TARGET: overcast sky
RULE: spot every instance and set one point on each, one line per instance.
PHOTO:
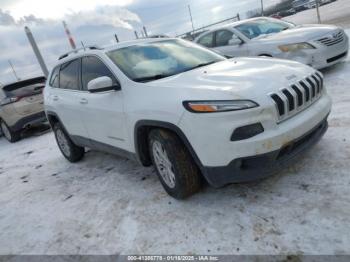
(95, 22)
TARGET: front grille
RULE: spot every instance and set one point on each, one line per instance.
(297, 97)
(334, 39)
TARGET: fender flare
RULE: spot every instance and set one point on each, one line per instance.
(166, 125)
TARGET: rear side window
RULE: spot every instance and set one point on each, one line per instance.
(25, 88)
(223, 37)
(54, 81)
(69, 75)
(207, 40)
(92, 68)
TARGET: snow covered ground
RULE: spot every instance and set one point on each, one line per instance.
(109, 205)
(337, 13)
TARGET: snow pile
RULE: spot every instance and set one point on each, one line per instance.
(337, 13)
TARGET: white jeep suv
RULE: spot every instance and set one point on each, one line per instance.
(190, 112)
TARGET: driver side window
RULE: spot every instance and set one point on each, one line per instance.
(223, 37)
(92, 68)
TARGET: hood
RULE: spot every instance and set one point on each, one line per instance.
(299, 34)
(238, 78)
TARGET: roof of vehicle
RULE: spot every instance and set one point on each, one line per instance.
(95, 50)
(233, 24)
(22, 83)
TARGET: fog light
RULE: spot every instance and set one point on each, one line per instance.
(245, 132)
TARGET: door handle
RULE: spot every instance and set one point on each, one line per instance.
(55, 98)
(83, 101)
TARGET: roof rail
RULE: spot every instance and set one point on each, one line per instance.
(93, 47)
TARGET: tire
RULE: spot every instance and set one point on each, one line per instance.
(69, 150)
(10, 136)
(177, 172)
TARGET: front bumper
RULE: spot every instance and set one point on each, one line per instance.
(220, 159)
(261, 166)
(29, 120)
(321, 57)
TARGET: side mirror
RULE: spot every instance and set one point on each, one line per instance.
(101, 84)
(235, 40)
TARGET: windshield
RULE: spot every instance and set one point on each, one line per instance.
(155, 60)
(261, 27)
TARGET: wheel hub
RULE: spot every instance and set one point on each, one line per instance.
(163, 164)
(5, 131)
(63, 142)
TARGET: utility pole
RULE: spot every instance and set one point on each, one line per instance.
(262, 7)
(36, 51)
(70, 37)
(189, 10)
(318, 11)
(14, 71)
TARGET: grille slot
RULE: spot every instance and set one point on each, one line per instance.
(336, 38)
(313, 87)
(290, 99)
(297, 97)
(307, 90)
(280, 104)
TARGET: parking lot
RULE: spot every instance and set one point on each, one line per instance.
(109, 205)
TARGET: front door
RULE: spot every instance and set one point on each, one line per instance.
(103, 115)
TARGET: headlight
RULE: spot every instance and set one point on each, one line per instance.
(218, 106)
(295, 47)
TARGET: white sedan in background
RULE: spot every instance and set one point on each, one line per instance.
(318, 46)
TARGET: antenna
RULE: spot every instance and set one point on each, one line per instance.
(145, 31)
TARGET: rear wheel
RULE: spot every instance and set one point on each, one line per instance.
(70, 151)
(175, 167)
(11, 136)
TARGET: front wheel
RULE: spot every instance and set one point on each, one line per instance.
(70, 151)
(10, 136)
(175, 167)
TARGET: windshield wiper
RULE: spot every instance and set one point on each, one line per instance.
(150, 78)
(160, 76)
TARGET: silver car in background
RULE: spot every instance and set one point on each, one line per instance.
(319, 46)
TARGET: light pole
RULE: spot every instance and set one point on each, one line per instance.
(189, 10)
(262, 7)
(69, 35)
(318, 11)
(36, 51)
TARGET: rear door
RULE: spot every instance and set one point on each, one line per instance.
(65, 97)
